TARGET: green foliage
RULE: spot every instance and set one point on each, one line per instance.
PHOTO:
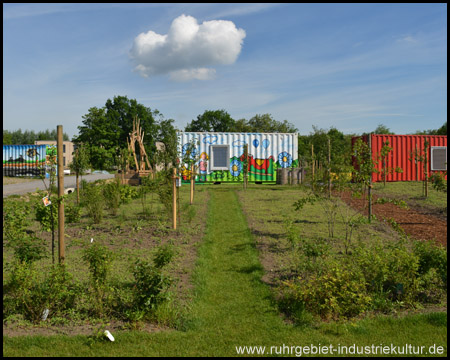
(401, 203)
(167, 134)
(112, 195)
(105, 130)
(432, 257)
(28, 294)
(151, 286)
(128, 193)
(92, 199)
(438, 181)
(382, 130)
(339, 291)
(210, 120)
(373, 277)
(100, 260)
(28, 137)
(27, 247)
(72, 213)
(47, 215)
(80, 162)
(163, 255)
(15, 218)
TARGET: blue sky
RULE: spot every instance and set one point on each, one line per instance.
(348, 66)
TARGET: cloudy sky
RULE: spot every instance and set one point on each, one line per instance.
(348, 66)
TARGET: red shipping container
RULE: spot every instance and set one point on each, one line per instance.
(402, 156)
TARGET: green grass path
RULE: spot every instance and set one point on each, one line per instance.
(232, 307)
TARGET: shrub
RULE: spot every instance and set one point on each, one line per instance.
(338, 292)
(150, 286)
(92, 199)
(44, 214)
(128, 193)
(432, 257)
(112, 195)
(438, 181)
(27, 247)
(27, 294)
(72, 213)
(100, 259)
(15, 218)
(163, 256)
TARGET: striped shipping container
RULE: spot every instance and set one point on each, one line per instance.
(219, 156)
(25, 160)
(402, 156)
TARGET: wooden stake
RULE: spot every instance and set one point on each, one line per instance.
(174, 213)
(192, 184)
(60, 193)
(329, 167)
(313, 163)
(370, 180)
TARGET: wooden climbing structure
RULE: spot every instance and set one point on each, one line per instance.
(143, 167)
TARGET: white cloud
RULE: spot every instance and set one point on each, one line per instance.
(187, 49)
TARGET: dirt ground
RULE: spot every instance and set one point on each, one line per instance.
(417, 222)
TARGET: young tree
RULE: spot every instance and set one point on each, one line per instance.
(79, 164)
(167, 134)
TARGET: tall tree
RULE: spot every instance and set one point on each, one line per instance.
(105, 130)
(212, 120)
(382, 130)
(266, 123)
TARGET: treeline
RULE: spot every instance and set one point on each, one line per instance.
(105, 131)
(28, 137)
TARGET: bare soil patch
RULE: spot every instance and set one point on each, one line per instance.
(417, 222)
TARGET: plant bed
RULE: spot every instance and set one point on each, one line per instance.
(139, 232)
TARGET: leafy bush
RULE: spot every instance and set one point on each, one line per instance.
(373, 277)
(27, 294)
(432, 257)
(438, 181)
(92, 199)
(44, 213)
(72, 213)
(112, 195)
(27, 247)
(338, 292)
(100, 259)
(151, 285)
(128, 193)
(163, 256)
(15, 217)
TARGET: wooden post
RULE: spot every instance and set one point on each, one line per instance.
(192, 184)
(426, 166)
(313, 164)
(174, 210)
(329, 167)
(60, 193)
(370, 180)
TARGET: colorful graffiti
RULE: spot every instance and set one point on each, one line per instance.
(26, 160)
(266, 153)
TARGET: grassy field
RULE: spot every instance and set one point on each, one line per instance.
(412, 193)
(231, 304)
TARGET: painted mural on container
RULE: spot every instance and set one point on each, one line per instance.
(26, 160)
(266, 153)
